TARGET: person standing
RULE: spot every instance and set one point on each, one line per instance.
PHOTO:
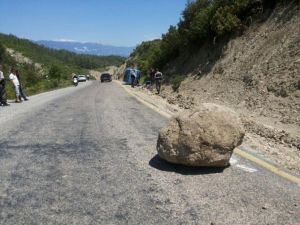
(133, 77)
(3, 99)
(152, 73)
(158, 80)
(22, 95)
(138, 76)
(14, 79)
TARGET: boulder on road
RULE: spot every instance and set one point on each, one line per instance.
(205, 136)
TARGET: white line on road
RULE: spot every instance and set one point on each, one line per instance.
(234, 162)
(246, 168)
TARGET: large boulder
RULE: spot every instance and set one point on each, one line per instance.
(205, 136)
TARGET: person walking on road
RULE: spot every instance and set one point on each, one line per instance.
(158, 79)
(22, 95)
(14, 79)
(3, 99)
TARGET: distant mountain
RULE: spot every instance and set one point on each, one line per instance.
(88, 48)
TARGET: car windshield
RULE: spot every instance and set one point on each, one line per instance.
(105, 75)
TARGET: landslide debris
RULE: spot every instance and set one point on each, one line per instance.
(205, 136)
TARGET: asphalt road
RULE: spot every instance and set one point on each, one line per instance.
(87, 156)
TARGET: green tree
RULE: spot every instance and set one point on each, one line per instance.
(225, 20)
(171, 44)
(55, 74)
(2, 53)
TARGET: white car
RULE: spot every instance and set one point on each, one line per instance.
(81, 78)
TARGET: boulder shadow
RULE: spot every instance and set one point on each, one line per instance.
(161, 164)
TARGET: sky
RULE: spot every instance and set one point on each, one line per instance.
(113, 22)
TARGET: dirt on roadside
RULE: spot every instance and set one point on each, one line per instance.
(258, 75)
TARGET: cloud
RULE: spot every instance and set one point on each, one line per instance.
(65, 40)
(151, 37)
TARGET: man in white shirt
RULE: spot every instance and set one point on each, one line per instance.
(16, 83)
(3, 100)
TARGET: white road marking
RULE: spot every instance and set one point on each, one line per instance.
(246, 168)
(233, 161)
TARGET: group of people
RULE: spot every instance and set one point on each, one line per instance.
(155, 77)
(14, 77)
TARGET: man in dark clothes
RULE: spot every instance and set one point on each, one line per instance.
(133, 76)
(3, 100)
(22, 95)
(152, 74)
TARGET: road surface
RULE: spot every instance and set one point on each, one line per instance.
(87, 155)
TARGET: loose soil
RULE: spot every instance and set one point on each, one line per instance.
(258, 75)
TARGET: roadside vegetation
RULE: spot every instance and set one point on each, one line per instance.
(47, 68)
(203, 23)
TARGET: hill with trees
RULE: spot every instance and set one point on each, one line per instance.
(43, 68)
(204, 24)
(244, 54)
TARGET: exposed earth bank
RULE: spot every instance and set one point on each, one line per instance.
(257, 75)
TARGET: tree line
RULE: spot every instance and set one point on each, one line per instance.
(46, 55)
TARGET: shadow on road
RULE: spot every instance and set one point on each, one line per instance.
(160, 164)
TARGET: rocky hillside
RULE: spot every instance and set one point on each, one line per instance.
(256, 73)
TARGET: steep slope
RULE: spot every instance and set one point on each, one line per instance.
(257, 74)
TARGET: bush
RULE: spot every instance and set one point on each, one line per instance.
(55, 75)
(2, 53)
(145, 55)
(170, 45)
(200, 26)
(225, 21)
(176, 81)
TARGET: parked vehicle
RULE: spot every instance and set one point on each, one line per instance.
(81, 78)
(105, 77)
(127, 75)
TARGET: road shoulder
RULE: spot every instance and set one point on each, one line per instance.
(167, 110)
